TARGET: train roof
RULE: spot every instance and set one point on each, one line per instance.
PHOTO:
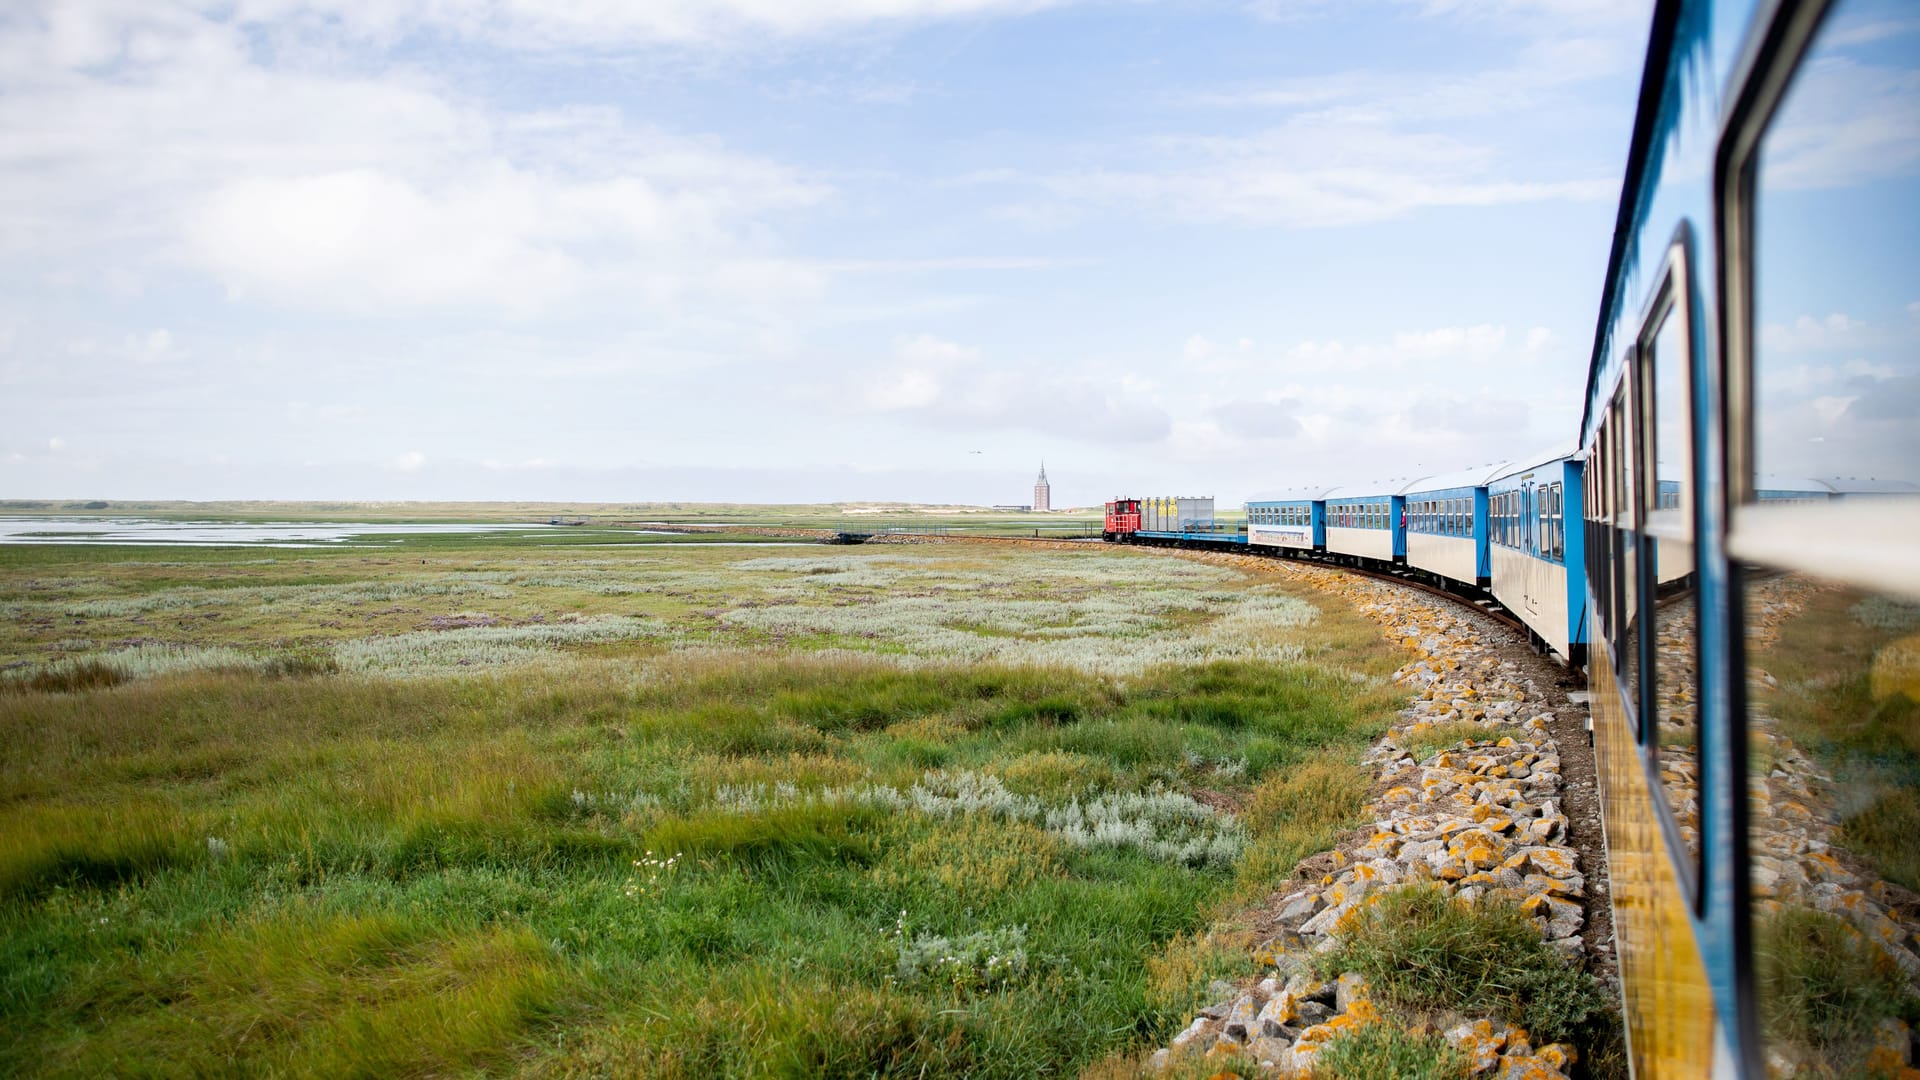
(1299, 494)
(1377, 490)
(1530, 462)
(1476, 476)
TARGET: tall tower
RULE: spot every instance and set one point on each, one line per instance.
(1042, 491)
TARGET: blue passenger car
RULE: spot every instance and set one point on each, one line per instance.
(1298, 523)
(1739, 642)
(1447, 525)
(1364, 524)
(1537, 562)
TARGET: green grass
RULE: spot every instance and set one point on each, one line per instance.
(292, 869)
(1448, 736)
(1824, 988)
(1424, 951)
(1380, 1052)
(1868, 735)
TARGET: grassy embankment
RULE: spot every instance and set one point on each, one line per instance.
(685, 812)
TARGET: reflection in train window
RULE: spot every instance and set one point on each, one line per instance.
(1673, 693)
(1626, 549)
(1832, 637)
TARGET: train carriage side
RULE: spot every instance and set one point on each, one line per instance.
(1361, 524)
(1535, 561)
(1760, 251)
(1446, 523)
(1294, 524)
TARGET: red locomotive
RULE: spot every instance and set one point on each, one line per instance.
(1123, 519)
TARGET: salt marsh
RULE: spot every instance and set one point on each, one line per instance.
(464, 805)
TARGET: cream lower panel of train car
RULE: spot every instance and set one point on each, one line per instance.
(1675, 559)
(1669, 1006)
(1449, 556)
(1288, 536)
(1367, 543)
(1535, 590)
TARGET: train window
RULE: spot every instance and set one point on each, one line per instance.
(1625, 544)
(1824, 396)
(1547, 521)
(1672, 692)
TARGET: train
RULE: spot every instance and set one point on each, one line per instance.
(1728, 547)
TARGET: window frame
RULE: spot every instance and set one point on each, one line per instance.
(1673, 298)
(1764, 72)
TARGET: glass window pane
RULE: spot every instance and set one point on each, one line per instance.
(1833, 671)
(1674, 694)
(1626, 543)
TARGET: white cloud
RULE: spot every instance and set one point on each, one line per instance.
(1829, 409)
(1344, 411)
(153, 347)
(543, 24)
(1483, 345)
(1844, 123)
(1355, 146)
(1259, 420)
(953, 387)
(411, 461)
(1197, 349)
(1807, 333)
(1450, 341)
(1315, 173)
(160, 132)
(1585, 11)
(1541, 68)
(929, 350)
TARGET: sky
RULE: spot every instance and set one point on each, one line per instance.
(797, 250)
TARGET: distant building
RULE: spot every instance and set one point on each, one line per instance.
(1042, 491)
